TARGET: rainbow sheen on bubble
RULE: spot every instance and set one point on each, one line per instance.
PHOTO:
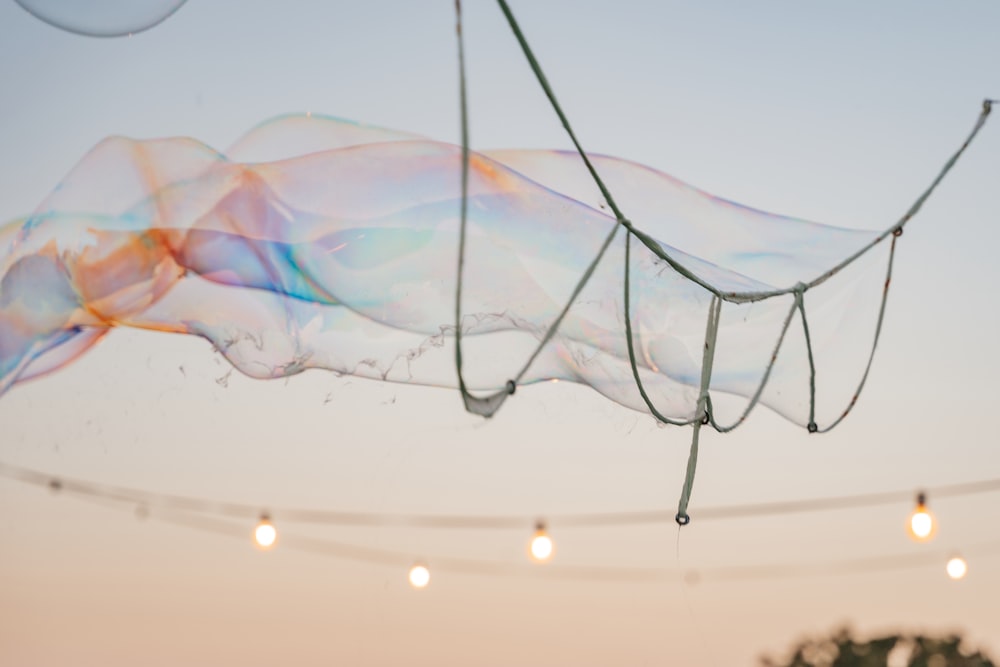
(320, 243)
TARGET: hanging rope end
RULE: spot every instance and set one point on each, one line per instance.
(682, 518)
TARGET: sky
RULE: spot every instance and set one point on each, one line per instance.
(841, 113)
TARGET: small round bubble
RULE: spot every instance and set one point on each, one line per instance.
(102, 18)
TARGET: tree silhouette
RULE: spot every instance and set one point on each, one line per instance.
(895, 650)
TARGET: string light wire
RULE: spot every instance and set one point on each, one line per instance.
(229, 520)
(148, 499)
(567, 572)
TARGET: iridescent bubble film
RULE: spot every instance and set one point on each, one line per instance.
(319, 243)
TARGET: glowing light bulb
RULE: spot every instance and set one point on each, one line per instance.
(264, 533)
(957, 568)
(922, 525)
(420, 576)
(541, 547)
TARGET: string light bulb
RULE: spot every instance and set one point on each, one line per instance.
(541, 547)
(264, 533)
(922, 525)
(420, 576)
(957, 568)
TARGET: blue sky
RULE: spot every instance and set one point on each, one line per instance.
(840, 113)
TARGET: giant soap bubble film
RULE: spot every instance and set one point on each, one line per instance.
(310, 241)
